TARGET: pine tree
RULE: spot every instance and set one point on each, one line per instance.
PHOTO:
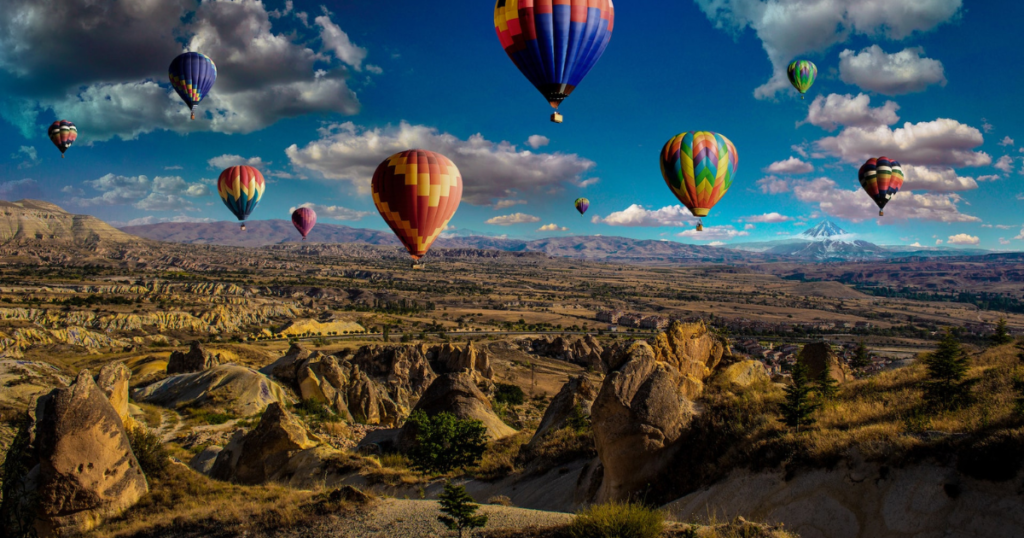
(387, 332)
(1002, 335)
(458, 509)
(861, 358)
(797, 410)
(946, 387)
(827, 386)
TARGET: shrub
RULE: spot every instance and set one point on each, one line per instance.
(1002, 335)
(315, 412)
(444, 442)
(208, 416)
(617, 520)
(149, 450)
(508, 394)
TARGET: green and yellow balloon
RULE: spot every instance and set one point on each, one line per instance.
(801, 75)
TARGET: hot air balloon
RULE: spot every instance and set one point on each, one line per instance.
(581, 205)
(63, 133)
(192, 75)
(881, 178)
(802, 74)
(241, 188)
(554, 43)
(304, 219)
(699, 166)
(417, 192)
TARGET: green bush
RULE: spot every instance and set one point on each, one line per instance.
(315, 412)
(444, 442)
(617, 520)
(508, 394)
(149, 450)
(208, 416)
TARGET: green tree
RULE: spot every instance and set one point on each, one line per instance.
(508, 394)
(797, 409)
(458, 510)
(1002, 335)
(947, 387)
(826, 386)
(387, 332)
(444, 442)
(861, 358)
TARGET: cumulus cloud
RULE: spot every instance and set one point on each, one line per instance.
(162, 193)
(891, 74)
(749, 227)
(936, 179)
(1004, 241)
(716, 244)
(853, 205)
(552, 228)
(537, 141)
(150, 219)
(836, 110)
(1006, 141)
(491, 170)
(1004, 164)
(990, 177)
(1021, 234)
(333, 212)
(791, 165)
(584, 183)
(636, 216)
(226, 161)
(963, 239)
(514, 218)
(791, 28)
(27, 155)
(773, 185)
(713, 233)
(939, 142)
(505, 204)
(19, 188)
(771, 218)
(336, 40)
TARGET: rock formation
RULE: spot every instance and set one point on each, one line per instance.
(196, 360)
(692, 350)
(585, 351)
(578, 391)
(260, 455)
(21, 382)
(818, 357)
(458, 394)
(284, 368)
(743, 374)
(113, 381)
(87, 471)
(235, 389)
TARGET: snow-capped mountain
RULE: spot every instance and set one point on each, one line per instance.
(825, 230)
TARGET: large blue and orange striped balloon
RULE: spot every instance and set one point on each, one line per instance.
(241, 187)
(699, 166)
(192, 75)
(554, 43)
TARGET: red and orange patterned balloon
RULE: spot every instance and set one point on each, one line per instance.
(417, 192)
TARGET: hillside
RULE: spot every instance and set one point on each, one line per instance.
(37, 223)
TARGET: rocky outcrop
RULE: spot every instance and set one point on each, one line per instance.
(235, 389)
(300, 327)
(87, 471)
(260, 455)
(639, 413)
(113, 381)
(403, 370)
(196, 360)
(743, 374)
(693, 351)
(22, 382)
(448, 359)
(578, 391)
(585, 351)
(819, 357)
(458, 394)
(284, 368)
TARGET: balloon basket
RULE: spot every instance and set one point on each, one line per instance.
(556, 117)
(416, 265)
(243, 227)
(700, 227)
(62, 155)
(881, 214)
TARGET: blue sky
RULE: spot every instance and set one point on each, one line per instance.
(315, 94)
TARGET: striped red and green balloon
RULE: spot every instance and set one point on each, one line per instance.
(63, 133)
(417, 192)
(699, 167)
(192, 75)
(554, 43)
(881, 178)
(581, 205)
(241, 188)
(801, 75)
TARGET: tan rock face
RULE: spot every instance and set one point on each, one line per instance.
(585, 351)
(196, 360)
(819, 356)
(693, 350)
(113, 381)
(639, 413)
(255, 457)
(578, 391)
(21, 382)
(744, 374)
(87, 469)
(458, 394)
(233, 388)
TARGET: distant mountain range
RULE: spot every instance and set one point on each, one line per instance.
(35, 223)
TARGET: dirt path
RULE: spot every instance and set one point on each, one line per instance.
(170, 425)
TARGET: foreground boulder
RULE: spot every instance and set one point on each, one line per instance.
(639, 413)
(256, 457)
(235, 389)
(285, 367)
(113, 380)
(87, 471)
(819, 357)
(743, 374)
(196, 360)
(577, 392)
(693, 350)
(458, 394)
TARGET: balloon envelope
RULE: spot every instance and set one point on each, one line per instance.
(582, 204)
(304, 219)
(241, 187)
(554, 43)
(63, 133)
(192, 75)
(802, 74)
(417, 192)
(881, 178)
(699, 166)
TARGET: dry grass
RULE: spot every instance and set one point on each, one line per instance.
(500, 458)
(392, 469)
(558, 448)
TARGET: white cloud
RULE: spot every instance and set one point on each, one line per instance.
(504, 204)
(552, 228)
(1006, 141)
(514, 218)
(18, 188)
(375, 69)
(915, 244)
(791, 165)
(72, 190)
(491, 170)
(939, 142)
(936, 179)
(800, 149)
(986, 126)
(175, 167)
(716, 244)
(891, 74)
(28, 154)
(158, 201)
(963, 239)
(162, 193)
(773, 185)
(856, 206)
(584, 183)
(1004, 164)
(791, 28)
(150, 219)
(537, 141)
(989, 177)
(227, 161)
(1004, 241)
(334, 39)
(636, 216)
(770, 218)
(749, 227)
(334, 212)
(836, 110)
(713, 233)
